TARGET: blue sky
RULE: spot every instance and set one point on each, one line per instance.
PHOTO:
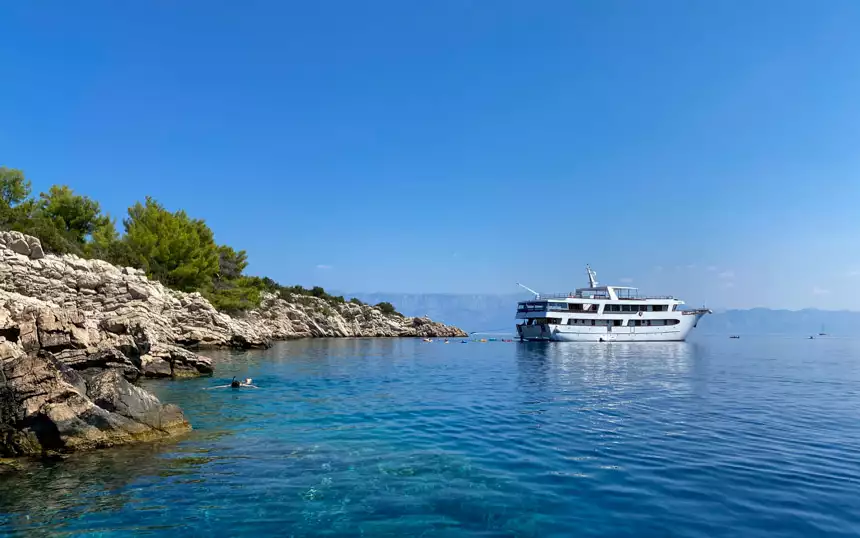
(705, 149)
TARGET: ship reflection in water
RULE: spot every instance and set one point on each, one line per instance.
(591, 376)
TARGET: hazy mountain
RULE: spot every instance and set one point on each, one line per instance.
(768, 321)
(487, 312)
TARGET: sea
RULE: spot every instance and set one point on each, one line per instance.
(749, 437)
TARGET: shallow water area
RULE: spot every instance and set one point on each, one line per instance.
(385, 437)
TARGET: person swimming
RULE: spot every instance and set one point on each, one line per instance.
(236, 384)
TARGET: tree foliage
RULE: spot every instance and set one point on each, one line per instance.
(388, 308)
(171, 247)
(231, 264)
(21, 213)
(77, 216)
(14, 187)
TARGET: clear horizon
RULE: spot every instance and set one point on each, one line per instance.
(692, 149)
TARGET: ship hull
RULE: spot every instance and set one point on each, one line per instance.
(573, 333)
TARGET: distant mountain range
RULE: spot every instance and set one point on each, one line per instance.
(495, 313)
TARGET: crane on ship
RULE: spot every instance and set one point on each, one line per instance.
(536, 294)
(592, 276)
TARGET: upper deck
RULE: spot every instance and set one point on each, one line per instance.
(605, 293)
(594, 293)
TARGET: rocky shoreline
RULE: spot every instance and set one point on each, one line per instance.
(76, 334)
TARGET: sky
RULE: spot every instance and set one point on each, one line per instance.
(709, 150)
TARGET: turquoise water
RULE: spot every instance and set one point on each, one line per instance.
(750, 437)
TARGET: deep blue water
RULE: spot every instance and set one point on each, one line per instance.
(751, 437)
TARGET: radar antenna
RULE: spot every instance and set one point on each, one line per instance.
(592, 276)
(536, 294)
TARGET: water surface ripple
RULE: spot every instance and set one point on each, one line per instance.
(375, 437)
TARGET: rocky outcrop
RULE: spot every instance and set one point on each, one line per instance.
(306, 316)
(121, 300)
(63, 388)
(126, 304)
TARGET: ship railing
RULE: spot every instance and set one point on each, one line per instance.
(647, 297)
(573, 295)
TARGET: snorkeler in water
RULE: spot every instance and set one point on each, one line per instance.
(236, 384)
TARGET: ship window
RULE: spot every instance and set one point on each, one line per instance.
(624, 308)
(592, 321)
(616, 322)
(536, 307)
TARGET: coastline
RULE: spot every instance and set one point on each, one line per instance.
(76, 334)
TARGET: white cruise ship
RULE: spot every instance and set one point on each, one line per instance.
(605, 314)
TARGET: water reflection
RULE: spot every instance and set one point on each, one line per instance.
(551, 372)
(598, 360)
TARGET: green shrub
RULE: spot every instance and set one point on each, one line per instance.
(388, 308)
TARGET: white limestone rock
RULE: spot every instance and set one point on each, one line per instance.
(120, 304)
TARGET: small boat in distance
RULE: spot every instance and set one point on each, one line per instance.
(605, 314)
(734, 336)
(822, 333)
